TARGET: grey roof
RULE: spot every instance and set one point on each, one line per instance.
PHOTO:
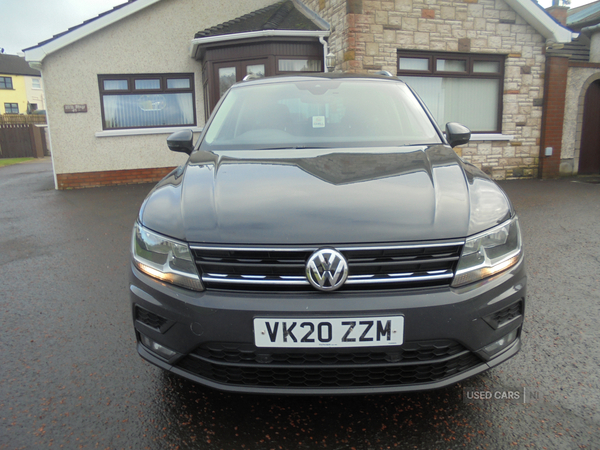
(584, 16)
(16, 65)
(283, 15)
(56, 36)
(576, 50)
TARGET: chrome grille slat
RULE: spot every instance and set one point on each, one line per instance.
(254, 281)
(398, 263)
(373, 267)
(313, 248)
(254, 264)
(400, 279)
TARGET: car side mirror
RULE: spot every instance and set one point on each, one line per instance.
(181, 141)
(457, 134)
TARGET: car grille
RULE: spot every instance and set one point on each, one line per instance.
(369, 267)
(506, 315)
(411, 364)
(148, 318)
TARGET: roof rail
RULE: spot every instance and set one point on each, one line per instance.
(252, 76)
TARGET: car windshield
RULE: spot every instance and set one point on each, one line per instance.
(319, 113)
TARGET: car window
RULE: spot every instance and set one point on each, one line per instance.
(319, 113)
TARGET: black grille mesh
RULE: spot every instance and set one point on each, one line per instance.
(359, 376)
(248, 354)
(148, 318)
(412, 364)
(505, 315)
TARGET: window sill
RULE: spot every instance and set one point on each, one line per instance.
(142, 131)
(491, 137)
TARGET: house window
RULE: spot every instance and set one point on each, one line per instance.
(11, 108)
(6, 83)
(35, 83)
(457, 87)
(299, 65)
(147, 101)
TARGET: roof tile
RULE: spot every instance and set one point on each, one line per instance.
(576, 50)
(282, 15)
(56, 36)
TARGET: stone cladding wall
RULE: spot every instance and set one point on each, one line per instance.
(367, 34)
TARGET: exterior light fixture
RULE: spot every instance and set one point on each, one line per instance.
(330, 60)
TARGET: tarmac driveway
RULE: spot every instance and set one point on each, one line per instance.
(70, 376)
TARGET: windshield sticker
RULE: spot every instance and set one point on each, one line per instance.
(318, 121)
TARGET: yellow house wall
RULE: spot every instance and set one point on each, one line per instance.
(18, 94)
(35, 95)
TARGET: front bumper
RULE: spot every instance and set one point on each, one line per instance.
(210, 338)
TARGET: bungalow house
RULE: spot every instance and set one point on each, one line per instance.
(118, 84)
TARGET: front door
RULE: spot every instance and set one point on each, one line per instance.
(589, 155)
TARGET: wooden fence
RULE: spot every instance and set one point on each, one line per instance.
(14, 119)
(22, 141)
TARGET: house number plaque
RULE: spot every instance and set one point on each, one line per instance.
(70, 109)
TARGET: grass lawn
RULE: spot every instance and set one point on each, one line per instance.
(11, 161)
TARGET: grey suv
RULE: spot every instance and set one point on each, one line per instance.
(323, 237)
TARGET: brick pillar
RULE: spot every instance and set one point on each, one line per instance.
(555, 87)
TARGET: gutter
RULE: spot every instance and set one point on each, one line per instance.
(196, 43)
(325, 53)
(588, 31)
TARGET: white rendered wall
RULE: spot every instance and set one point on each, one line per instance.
(154, 40)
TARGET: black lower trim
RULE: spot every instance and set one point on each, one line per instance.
(330, 376)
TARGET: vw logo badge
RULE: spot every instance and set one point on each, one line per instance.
(327, 269)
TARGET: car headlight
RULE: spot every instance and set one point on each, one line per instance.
(164, 259)
(489, 253)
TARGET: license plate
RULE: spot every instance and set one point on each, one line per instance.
(327, 332)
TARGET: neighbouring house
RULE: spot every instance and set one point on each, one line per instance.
(118, 84)
(20, 86)
(574, 95)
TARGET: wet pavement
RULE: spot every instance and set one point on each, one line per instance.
(70, 376)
